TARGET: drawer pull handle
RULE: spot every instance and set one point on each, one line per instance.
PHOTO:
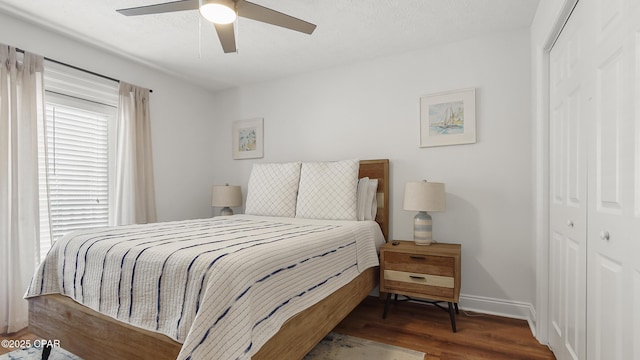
(416, 277)
(417, 257)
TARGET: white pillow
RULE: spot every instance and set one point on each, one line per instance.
(367, 200)
(328, 190)
(363, 197)
(371, 210)
(273, 189)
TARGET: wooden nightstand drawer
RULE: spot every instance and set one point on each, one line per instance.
(426, 285)
(416, 263)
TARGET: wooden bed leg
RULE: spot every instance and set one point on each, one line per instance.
(46, 351)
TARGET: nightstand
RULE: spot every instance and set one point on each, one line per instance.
(429, 272)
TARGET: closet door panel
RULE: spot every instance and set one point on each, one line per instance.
(610, 115)
(556, 286)
(610, 228)
(568, 201)
(605, 321)
(613, 230)
(574, 293)
(556, 156)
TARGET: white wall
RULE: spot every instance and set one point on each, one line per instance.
(180, 116)
(370, 110)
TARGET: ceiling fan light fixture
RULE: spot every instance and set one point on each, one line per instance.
(218, 11)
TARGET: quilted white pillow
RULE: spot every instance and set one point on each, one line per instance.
(273, 189)
(328, 190)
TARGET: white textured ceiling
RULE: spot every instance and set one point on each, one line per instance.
(349, 31)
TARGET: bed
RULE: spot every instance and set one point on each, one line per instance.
(93, 335)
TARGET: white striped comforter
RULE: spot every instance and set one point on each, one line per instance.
(220, 286)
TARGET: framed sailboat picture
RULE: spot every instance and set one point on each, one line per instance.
(248, 138)
(448, 118)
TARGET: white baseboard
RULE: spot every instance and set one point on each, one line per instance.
(500, 307)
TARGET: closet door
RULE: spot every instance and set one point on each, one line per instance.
(568, 190)
(614, 190)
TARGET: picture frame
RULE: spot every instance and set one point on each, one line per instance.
(448, 118)
(248, 139)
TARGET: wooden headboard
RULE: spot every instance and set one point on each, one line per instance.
(379, 169)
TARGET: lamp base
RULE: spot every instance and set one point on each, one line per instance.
(226, 211)
(422, 229)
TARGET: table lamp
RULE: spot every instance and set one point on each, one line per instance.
(226, 196)
(424, 196)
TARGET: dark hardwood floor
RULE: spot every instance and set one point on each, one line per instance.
(426, 328)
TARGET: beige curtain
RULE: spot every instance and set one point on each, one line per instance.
(21, 117)
(135, 195)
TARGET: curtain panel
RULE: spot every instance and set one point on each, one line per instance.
(135, 201)
(21, 119)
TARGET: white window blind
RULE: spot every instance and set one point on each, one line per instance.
(78, 172)
(80, 117)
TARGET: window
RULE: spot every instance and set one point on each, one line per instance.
(78, 173)
(80, 121)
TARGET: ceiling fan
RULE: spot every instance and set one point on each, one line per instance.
(222, 13)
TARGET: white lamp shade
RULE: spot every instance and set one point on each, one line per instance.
(226, 195)
(424, 196)
(218, 11)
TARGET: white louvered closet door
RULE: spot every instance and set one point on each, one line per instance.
(569, 101)
(613, 305)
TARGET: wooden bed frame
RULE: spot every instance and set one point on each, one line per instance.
(92, 335)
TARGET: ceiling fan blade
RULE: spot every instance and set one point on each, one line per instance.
(161, 8)
(227, 37)
(256, 12)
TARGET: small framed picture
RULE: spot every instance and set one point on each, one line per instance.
(448, 118)
(248, 139)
